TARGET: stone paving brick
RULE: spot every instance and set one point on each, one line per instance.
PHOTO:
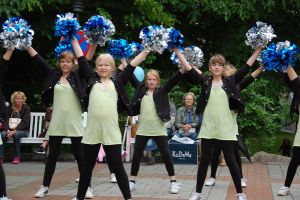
(23, 181)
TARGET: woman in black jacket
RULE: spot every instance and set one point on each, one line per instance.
(106, 97)
(4, 117)
(219, 95)
(151, 102)
(230, 70)
(293, 83)
(19, 123)
(63, 90)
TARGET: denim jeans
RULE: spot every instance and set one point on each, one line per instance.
(191, 135)
(16, 138)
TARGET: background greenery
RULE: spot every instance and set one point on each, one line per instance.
(214, 25)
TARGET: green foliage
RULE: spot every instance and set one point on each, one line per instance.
(265, 111)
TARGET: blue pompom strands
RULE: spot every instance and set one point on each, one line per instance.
(66, 25)
(259, 35)
(155, 38)
(98, 30)
(136, 48)
(63, 45)
(193, 55)
(279, 56)
(16, 33)
(122, 49)
(176, 38)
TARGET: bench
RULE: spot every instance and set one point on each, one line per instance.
(36, 127)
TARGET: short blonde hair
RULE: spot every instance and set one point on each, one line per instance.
(229, 69)
(15, 94)
(187, 94)
(109, 58)
(217, 58)
(154, 73)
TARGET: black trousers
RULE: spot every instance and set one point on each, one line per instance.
(2, 182)
(113, 157)
(294, 163)
(163, 146)
(54, 150)
(207, 146)
(215, 159)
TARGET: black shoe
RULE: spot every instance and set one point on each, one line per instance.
(40, 150)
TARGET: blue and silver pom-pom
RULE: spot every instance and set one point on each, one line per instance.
(155, 38)
(16, 33)
(63, 45)
(176, 38)
(119, 48)
(136, 48)
(279, 56)
(66, 25)
(259, 35)
(193, 55)
(98, 30)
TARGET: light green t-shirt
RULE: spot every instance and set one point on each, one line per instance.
(102, 121)
(297, 136)
(235, 124)
(217, 119)
(66, 117)
(149, 123)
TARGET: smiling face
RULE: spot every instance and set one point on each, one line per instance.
(105, 65)
(18, 98)
(67, 62)
(189, 100)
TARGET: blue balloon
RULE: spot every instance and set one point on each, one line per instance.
(139, 73)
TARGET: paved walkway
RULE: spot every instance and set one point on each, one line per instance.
(24, 179)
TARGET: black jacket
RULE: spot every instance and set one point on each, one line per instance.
(160, 97)
(294, 85)
(24, 113)
(75, 79)
(3, 109)
(119, 81)
(229, 85)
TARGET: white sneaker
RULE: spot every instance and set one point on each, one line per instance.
(132, 186)
(74, 198)
(283, 191)
(210, 182)
(195, 196)
(241, 196)
(113, 178)
(4, 198)
(175, 187)
(89, 193)
(42, 192)
(243, 182)
(77, 180)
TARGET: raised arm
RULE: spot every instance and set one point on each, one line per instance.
(84, 68)
(182, 59)
(4, 63)
(8, 54)
(39, 60)
(248, 80)
(91, 52)
(244, 70)
(291, 73)
(254, 56)
(139, 58)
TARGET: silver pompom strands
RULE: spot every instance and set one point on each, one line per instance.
(259, 35)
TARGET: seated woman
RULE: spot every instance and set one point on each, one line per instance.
(19, 123)
(186, 118)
